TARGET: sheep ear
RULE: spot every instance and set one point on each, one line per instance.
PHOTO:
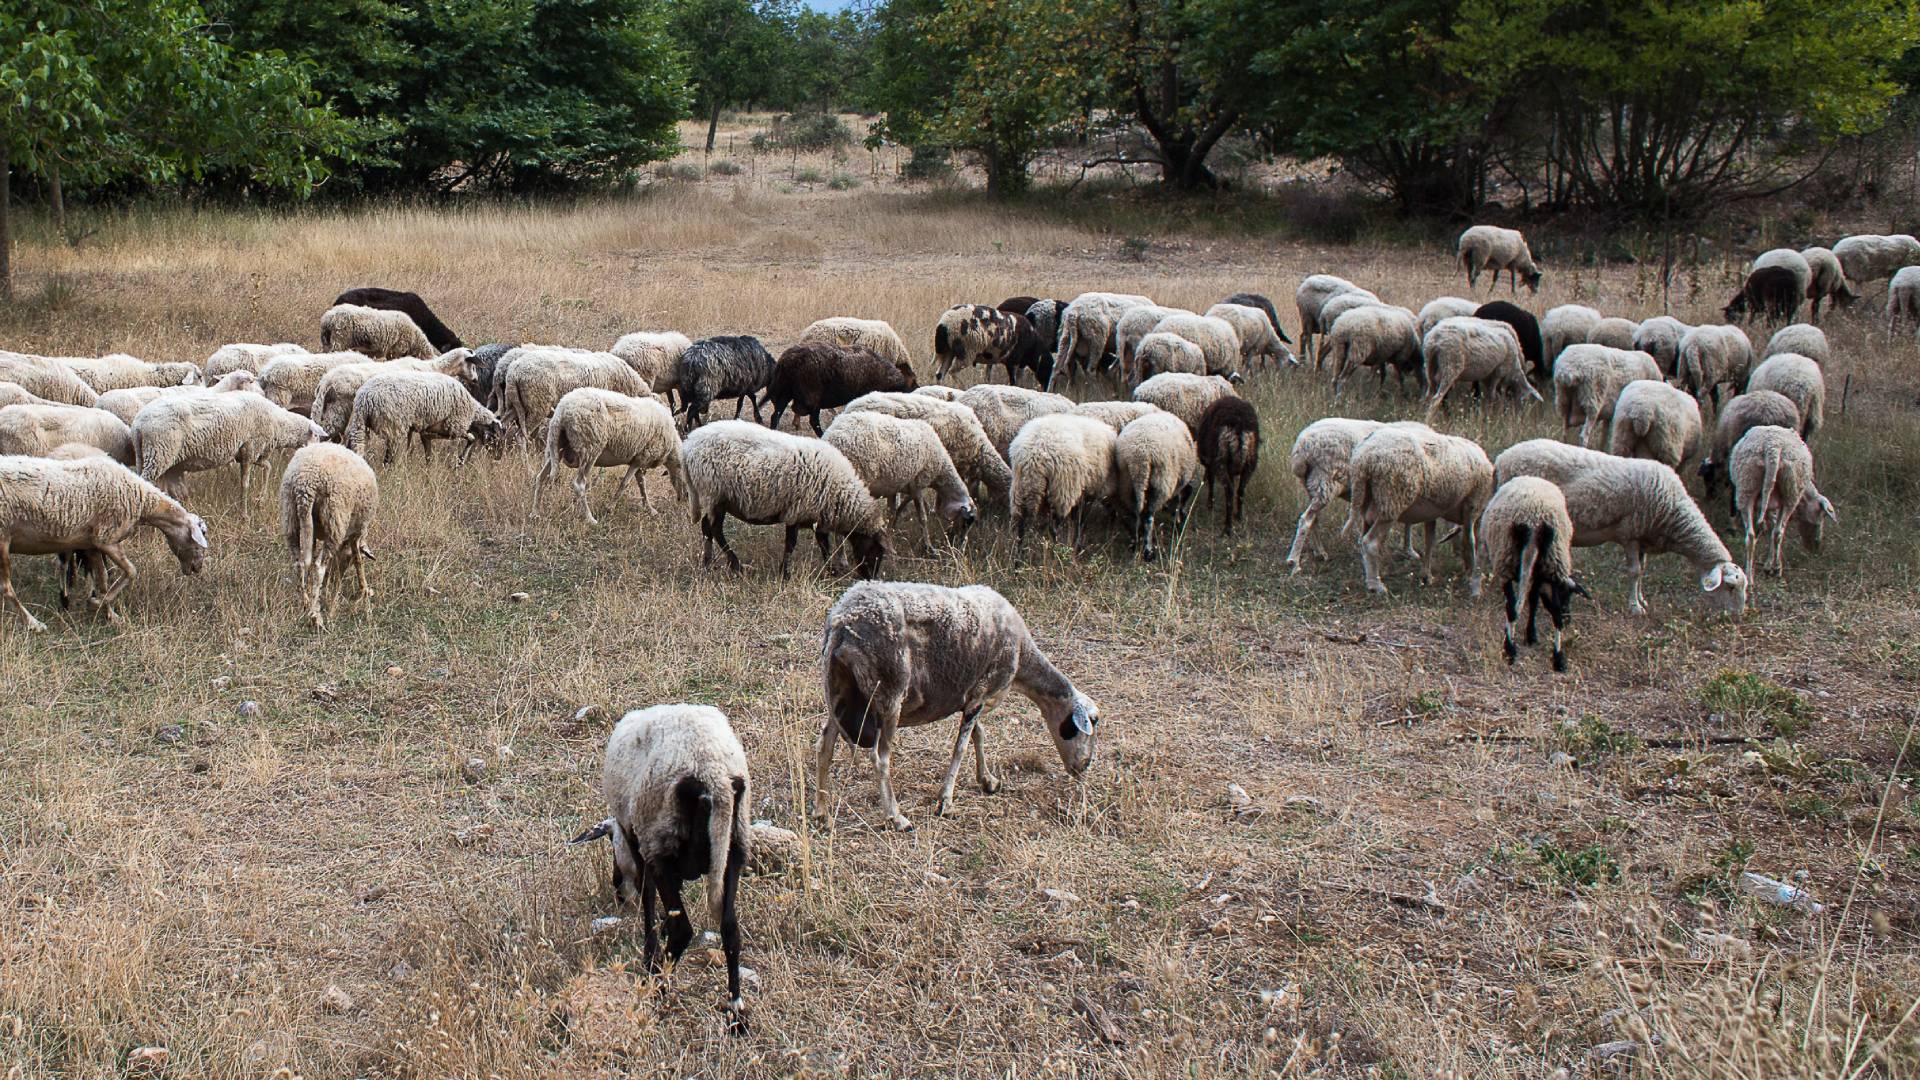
(197, 530)
(1826, 507)
(1085, 714)
(1710, 580)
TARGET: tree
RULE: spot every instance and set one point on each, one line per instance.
(730, 48)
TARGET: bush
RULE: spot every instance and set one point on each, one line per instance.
(1328, 217)
(928, 163)
(677, 170)
(843, 182)
(812, 131)
(810, 175)
(1743, 697)
(726, 167)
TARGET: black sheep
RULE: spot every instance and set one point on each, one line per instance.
(1525, 327)
(815, 375)
(1229, 445)
(1255, 300)
(1771, 290)
(730, 366)
(484, 358)
(416, 308)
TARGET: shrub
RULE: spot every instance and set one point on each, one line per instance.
(1744, 697)
(1581, 869)
(810, 131)
(810, 175)
(726, 167)
(843, 181)
(928, 163)
(1590, 736)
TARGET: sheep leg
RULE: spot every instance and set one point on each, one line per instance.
(1372, 545)
(1316, 501)
(650, 952)
(1636, 567)
(1426, 557)
(818, 431)
(719, 535)
(359, 554)
(316, 584)
(1559, 613)
(786, 555)
(580, 488)
(105, 600)
(883, 770)
(989, 783)
(1240, 494)
(1470, 552)
(639, 479)
(11, 597)
(969, 723)
(730, 938)
(1512, 612)
(822, 762)
(1746, 534)
(679, 927)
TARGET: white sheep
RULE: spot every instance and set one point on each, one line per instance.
(1798, 379)
(45, 377)
(1159, 466)
(594, 428)
(1481, 352)
(1740, 415)
(899, 654)
(39, 429)
(1529, 538)
(767, 477)
(539, 378)
(1829, 280)
(333, 397)
(1659, 337)
(1712, 357)
(328, 498)
(1869, 258)
(228, 359)
(1060, 463)
(1319, 461)
(944, 393)
(1185, 396)
(1490, 247)
(1789, 260)
(1445, 307)
(874, 335)
(196, 432)
(1400, 474)
(899, 459)
(1808, 341)
(1259, 340)
(1587, 380)
(655, 357)
(380, 333)
(1114, 414)
(1614, 332)
(1903, 299)
(15, 394)
(1086, 330)
(1004, 410)
(1655, 420)
(960, 432)
(1568, 324)
(1158, 353)
(126, 404)
(1772, 472)
(1376, 336)
(1640, 505)
(394, 405)
(120, 371)
(1133, 325)
(1218, 341)
(291, 381)
(1313, 294)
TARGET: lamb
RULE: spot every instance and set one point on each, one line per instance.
(676, 785)
(898, 459)
(1255, 330)
(730, 366)
(328, 497)
(1004, 410)
(1903, 299)
(1060, 463)
(1773, 482)
(982, 336)
(536, 380)
(1445, 307)
(813, 376)
(874, 335)
(196, 432)
(291, 381)
(1744, 413)
(594, 428)
(1402, 474)
(393, 405)
(900, 654)
(1313, 294)
(1657, 421)
(1158, 466)
(1490, 247)
(1159, 353)
(1185, 396)
(1712, 357)
(228, 359)
(1798, 379)
(36, 430)
(1529, 538)
(1659, 337)
(1525, 327)
(1086, 330)
(1477, 351)
(1587, 381)
(1640, 505)
(1568, 324)
(1808, 341)
(1868, 258)
(655, 357)
(1614, 332)
(441, 338)
(126, 404)
(1376, 336)
(333, 397)
(1265, 307)
(382, 335)
(960, 433)
(14, 394)
(120, 371)
(1772, 291)
(1216, 337)
(46, 378)
(1829, 280)
(1228, 445)
(1134, 324)
(87, 504)
(1115, 414)
(767, 477)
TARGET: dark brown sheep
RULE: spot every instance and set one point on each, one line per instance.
(1772, 291)
(1229, 445)
(813, 376)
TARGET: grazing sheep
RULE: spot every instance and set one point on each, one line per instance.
(1568, 324)
(1659, 337)
(1115, 414)
(655, 357)
(960, 433)
(15, 394)
(1481, 352)
(393, 405)
(676, 785)
(1529, 538)
(1405, 475)
(86, 505)
(1640, 505)
(874, 335)
(1004, 410)
(1086, 331)
(328, 497)
(982, 336)
(1773, 291)
(536, 380)
(1215, 336)
(1614, 332)
(1525, 327)
(593, 428)
(382, 335)
(46, 378)
(36, 430)
(291, 381)
(1741, 415)
(1867, 258)
(1445, 307)
(1903, 299)
(1158, 353)
(1060, 463)
(441, 338)
(1228, 445)
(1158, 467)
(1311, 296)
(1798, 379)
(1587, 381)
(1829, 280)
(814, 376)
(899, 654)
(1349, 301)
(1185, 396)
(333, 397)
(767, 477)
(1490, 247)
(898, 459)
(1375, 336)
(120, 371)
(1772, 473)
(1712, 357)
(1808, 341)
(943, 393)
(495, 395)
(228, 359)
(1657, 421)
(126, 404)
(1134, 324)
(1254, 329)
(730, 366)
(196, 432)
(1265, 307)
(1319, 461)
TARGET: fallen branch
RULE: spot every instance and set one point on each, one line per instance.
(1651, 744)
(1362, 639)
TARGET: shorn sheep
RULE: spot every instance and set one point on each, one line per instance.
(1772, 473)
(593, 429)
(766, 477)
(88, 505)
(1185, 396)
(1657, 421)
(874, 335)
(196, 432)
(1227, 440)
(415, 308)
(1568, 324)
(900, 654)
(1525, 327)
(1158, 468)
(730, 366)
(1404, 475)
(1903, 299)
(898, 459)
(1529, 538)
(1614, 332)
(966, 442)
(1829, 281)
(396, 404)
(1798, 379)
(1060, 464)
(328, 498)
(1587, 380)
(39, 429)
(382, 335)
(1739, 416)
(1310, 297)
(812, 377)
(536, 380)
(1445, 307)
(1867, 258)
(1480, 352)
(1319, 460)
(333, 397)
(1712, 357)
(1490, 247)
(1376, 336)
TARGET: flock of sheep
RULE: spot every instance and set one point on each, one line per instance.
(91, 449)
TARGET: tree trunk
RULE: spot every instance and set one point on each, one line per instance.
(6, 222)
(713, 123)
(56, 200)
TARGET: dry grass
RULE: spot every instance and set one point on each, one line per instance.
(174, 873)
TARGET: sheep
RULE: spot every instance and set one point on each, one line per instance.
(485, 359)
(1402, 474)
(1445, 307)
(37, 429)
(291, 381)
(1215, 336)
(1659, 337)
(228, 359)
(442, 339)
(1158, 467)
(655, 357)
(983, 336)
(944, 393)
(1185, 396)
(536, 380)
(393, 405)
(1771, 291)
(1265, 307)
(901, 654)
(1798, 379)
(1903, 298)
(1808, 341)
(1525, 327)
(874, 335)
(813, 376)
(46, 378)
(1742, 414)
(1319, 461)
(328, 497)
(14, 394)
(1490, 247)
(382, 335)
(1086, 330)
(1657, 421)
(1772, 472)
(767, 477)
(1529, 538)
(1134, 324)
(1568, 324)
(126, 404)
(960, 433)
(1640, 505)
(898, 459)
(333, 397)
(1794, 263)
(196, 432)
(87, 504)
(1337, 306)
(1060, 463)
(1614, 332)
(1712, 357)
(1587, 381)
(1003, 410)
(594, 428)
(1376, 336)
(731, 366)
(1313, 294)
(1829, 280)
(1159, 353)
(1115, 414)
(1867, 258)
(1478, 351)
(1254, 329)
(1227, 442)
(120, 371)
(1016, 305)
(678, 791)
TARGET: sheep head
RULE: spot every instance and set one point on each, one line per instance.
(1726, 587)
(1811, 516)
(1071, 722)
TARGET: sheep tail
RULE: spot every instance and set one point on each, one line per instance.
(1531, 543)
(1357, 495)
(726, 829)
(1768, 479)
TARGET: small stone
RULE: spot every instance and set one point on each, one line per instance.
(375, 894)
(1060, 896)
(477, 834)
(400, 972)
(249, 710)
(1237, 796)
(475, 770)
(170, 734)
(441, 673)
(1562, 760)
(750, 977)
(586, 712)
(148, 1057)
(606, 924)
(244, 631)
(519, 597)
(1221, 928)
(504, 753)
(336, 1001)
(221, 682)
(395, 670)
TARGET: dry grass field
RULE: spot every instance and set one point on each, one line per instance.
(1447, 867)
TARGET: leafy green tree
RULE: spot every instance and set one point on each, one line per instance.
(730, 49)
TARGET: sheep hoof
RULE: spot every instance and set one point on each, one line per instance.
(943, 809)
(990, 784)
(900, 822)
(35, 626)
(736, 1020)
(1378, 588)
